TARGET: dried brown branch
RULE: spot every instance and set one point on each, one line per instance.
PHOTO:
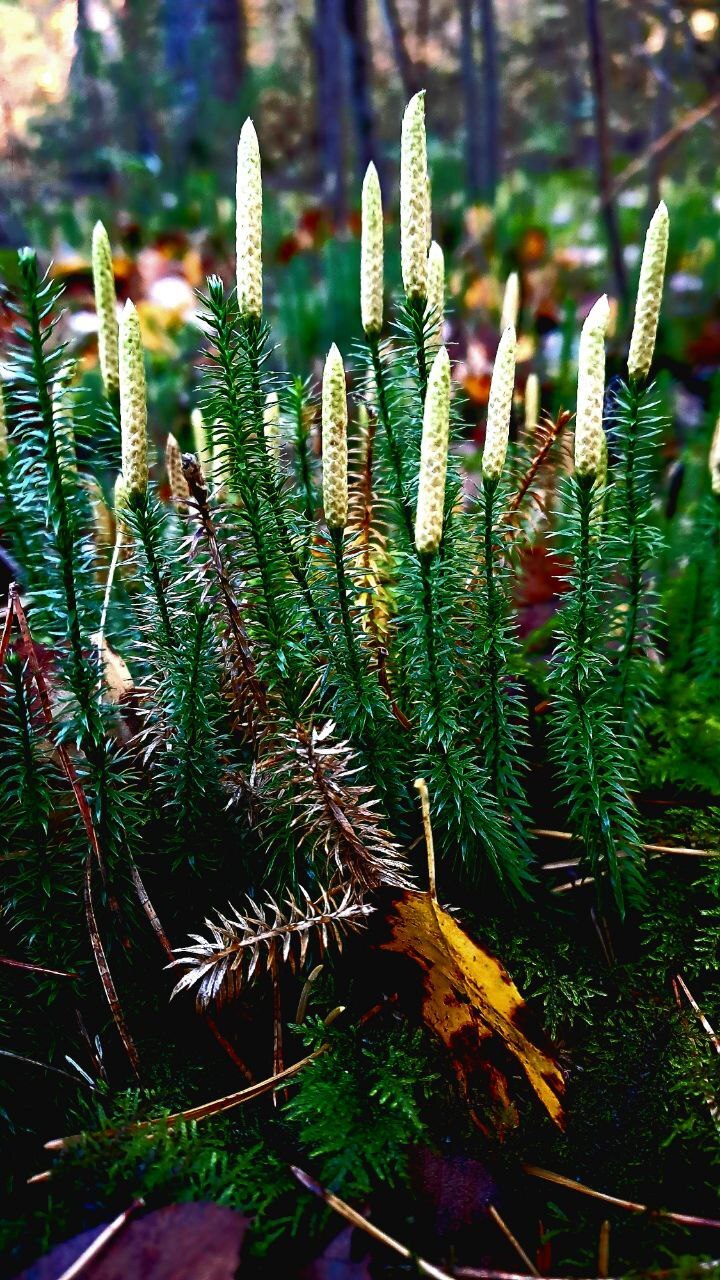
(239, 945)
(340, 816)
(252, 692)
(548, 433)
(84, 809)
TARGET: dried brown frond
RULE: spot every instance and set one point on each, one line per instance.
(365, 534)
(545, 436)
(340, 816)
(239, 945)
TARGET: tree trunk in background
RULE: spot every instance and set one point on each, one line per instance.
(468, 72)
(182, 29)
(602, 145)
(491, 121)
(360, 93)
(661, 72)
(227, 31)
(406, 67)
(138, 31)
(84, 80)
(205, 49)
(422, 30)
(328, 50)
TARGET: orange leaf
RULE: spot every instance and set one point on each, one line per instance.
(471, 1003)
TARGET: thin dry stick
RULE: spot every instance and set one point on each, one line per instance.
(684, 1219)
(6, 631)
(45, 1066)
(666, 140)
(512, 1239)
(214, 1108)
(421, 786)
(226, 1045)
(698, 1012)
(668, 1273)
(710, 1100)
(682, 850)
(351, 1215)
(604, 1250)
(36, 968)
(150, 912)
(93, 1250)
(278, 1063)
(104, 970)
(106, 603)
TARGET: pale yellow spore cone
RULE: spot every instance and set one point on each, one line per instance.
(502, 385)
(511, 302)
(589, 432)
(532, 402)
(249, 224)
(414, 199)
(433, 457)
(649, 295)
(133, 404)
(334, 441)
(106, 309)
(173, 462)
(371, 254)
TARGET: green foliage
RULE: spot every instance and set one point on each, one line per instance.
(636, 428)
(588, 744)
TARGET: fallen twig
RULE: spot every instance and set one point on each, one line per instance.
(684, 1219)
(681, 850)
(37, 968)
(111, 1230)
(512, 1239)
(195, 1114)
(351, 1215)
(698, 1012)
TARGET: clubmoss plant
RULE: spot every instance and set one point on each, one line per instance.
(106, 308)
(588, 744)
(637, 430)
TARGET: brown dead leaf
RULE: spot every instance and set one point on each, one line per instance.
(471, 1003)
(179, 1242)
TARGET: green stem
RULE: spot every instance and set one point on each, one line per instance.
(14, 525)
(634, 574)
(493, 656)
(416, 308)
(304, 461)
(83, 684)
(342, 585)
(392, 440)
(144, 528)
(430, 647)
(272, 489)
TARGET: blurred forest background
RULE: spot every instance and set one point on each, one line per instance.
(554, 127)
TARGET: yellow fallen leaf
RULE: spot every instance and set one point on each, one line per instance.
(472, 1004)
